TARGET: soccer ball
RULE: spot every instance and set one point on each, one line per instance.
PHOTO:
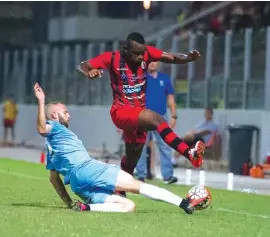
(199, 192)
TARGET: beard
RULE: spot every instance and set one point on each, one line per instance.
(62, 121)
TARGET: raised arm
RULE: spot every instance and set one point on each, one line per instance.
(174, 58)
(83, 68)
(42, 127)
(91, 68)
(60, 188)
(179, 58)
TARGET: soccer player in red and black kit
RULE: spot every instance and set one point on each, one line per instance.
(128, 68)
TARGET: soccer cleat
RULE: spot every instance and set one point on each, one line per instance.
(197, 204)
(186, 206)
(189, 205)
(171, 180)
(196, 154)
(80, 206)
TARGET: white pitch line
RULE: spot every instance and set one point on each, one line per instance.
(22, 175)
(131, 194)
(240, 212)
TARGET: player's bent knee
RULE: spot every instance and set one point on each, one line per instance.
(157, 120)
(129, 184)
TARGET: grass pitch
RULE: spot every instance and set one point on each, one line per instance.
(29, 206)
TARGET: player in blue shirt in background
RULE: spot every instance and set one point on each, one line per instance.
(93, 181)
(159, 93)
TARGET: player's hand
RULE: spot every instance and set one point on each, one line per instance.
(39, 92)
(172, 122)
(94, 73)
(193, 55)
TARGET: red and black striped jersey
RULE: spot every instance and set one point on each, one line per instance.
(128, 86)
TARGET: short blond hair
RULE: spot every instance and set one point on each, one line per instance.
(47, 109)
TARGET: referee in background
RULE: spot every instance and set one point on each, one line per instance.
(159, 93)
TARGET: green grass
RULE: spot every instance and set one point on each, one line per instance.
(30, 207)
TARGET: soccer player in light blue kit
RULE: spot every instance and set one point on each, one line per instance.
(93, 181)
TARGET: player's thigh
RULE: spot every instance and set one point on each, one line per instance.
(125, 182)
(149, 120)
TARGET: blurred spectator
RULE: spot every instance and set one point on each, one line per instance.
(203, 131)
(237, 16)
(217, 23)
(181, 17)
(248, 19)
(10, 111)
(206, 131)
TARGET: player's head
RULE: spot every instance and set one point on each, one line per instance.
(153, 66)
(134, 48)
(58, 112)
(11, 98)
(208, 113)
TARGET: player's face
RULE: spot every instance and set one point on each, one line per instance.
(63, 115)
(153, 66)
(208, 114)
(136, 53)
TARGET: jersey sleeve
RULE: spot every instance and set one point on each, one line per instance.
(53, 128)
(169, 87)
(102, 61)
(155, 53)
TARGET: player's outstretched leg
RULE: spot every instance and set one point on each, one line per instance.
(113, 203)
(125, 182)
(149, 121)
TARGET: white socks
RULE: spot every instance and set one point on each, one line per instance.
(159, 194)
(108, 207)
(148, 190)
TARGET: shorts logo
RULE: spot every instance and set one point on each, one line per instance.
(143, 65)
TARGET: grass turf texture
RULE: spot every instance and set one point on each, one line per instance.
(29, 206)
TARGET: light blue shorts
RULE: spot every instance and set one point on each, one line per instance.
(94, 181)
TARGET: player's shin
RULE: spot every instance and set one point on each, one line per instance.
(160, 194)
(171, 139)
(129, 168)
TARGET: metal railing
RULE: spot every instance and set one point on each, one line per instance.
(233, 72)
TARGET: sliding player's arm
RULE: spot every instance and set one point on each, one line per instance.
(91, 68)
(60, 188)
(173, 58)
(42, 127)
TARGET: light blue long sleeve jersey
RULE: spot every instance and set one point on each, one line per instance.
(90, 179)
(66, 153)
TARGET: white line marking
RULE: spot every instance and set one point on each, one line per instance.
(131, 194)
(22, 175)
(240, 212)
